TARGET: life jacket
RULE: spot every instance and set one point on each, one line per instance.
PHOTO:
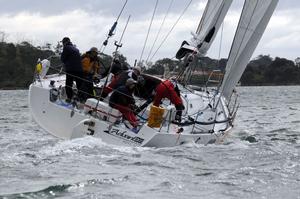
(89, 65)
(121, 96)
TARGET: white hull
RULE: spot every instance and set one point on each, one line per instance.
(56, 119)
(206, 118)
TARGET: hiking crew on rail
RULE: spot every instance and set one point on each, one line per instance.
(124, 83)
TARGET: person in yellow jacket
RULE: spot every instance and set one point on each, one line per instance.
(90, 65)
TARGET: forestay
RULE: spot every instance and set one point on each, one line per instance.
(254, 19)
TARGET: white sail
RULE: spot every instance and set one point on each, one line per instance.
(208, 27)
(254, 19)
(213, 17)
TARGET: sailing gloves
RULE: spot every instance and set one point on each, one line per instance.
(179, 109)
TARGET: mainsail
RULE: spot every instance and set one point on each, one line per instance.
(254, 19)
(208, 27)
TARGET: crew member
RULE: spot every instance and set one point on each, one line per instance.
(122, 99)
(120, 80)
(155, 89)
(72, 64)
(90, 65)
(169, 89)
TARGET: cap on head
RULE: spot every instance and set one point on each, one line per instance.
(94, 49)
(116, 68)
(65, 40)
(130, 82)
(138, 70)
(116, 60)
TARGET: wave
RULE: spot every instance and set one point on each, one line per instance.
(62, 189)
(48, 192)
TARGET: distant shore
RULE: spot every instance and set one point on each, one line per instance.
(18, 61)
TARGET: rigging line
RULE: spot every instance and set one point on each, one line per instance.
(168, 34)
(112, 29)
(63, 72)
(221, 39)
(121, 38)
(186, 123)
(174, 67)
(154, 11)
(122, 10)
(118, 45)
(160, 28)
(219, 58)
(193, 68)
(84, 80)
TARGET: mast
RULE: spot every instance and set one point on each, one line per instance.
(253, 22)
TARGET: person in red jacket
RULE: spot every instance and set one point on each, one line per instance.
(169, 89)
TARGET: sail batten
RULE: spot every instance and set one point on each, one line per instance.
(253, 22)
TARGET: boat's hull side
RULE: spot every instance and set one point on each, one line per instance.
(63, 122)
(53, 118)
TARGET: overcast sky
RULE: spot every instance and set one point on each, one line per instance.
(87, 23)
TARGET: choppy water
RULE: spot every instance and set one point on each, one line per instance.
(33, 164)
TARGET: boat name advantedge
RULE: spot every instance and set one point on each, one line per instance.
(123, 134)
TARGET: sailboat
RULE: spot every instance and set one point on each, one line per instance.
(208, 115)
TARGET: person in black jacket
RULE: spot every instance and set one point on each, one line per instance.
(116, 69)
(72, 63)
(120, 80)
(122, 99)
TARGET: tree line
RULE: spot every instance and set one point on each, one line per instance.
(17, 65)
(261, 71)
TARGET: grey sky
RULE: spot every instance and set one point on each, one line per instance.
(110, 7)
(87, 23)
